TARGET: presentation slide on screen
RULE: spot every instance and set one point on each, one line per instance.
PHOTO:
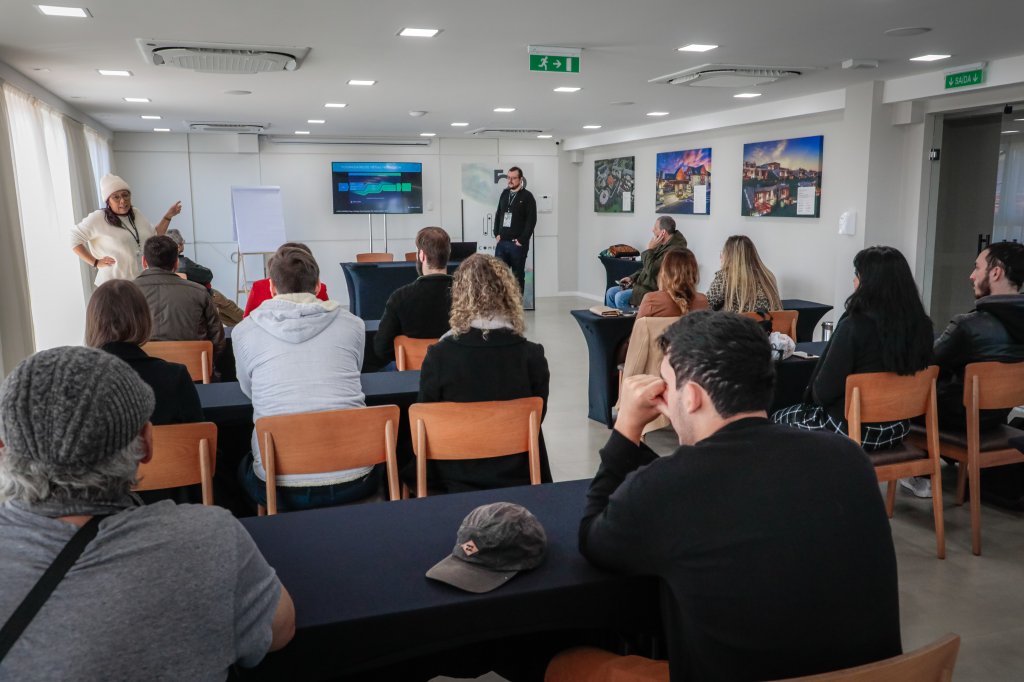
(370, 187)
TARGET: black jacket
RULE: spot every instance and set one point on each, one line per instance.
(419, 310)
(993, 331)
(177, 401)
(194, 271)
(772, 545)
(471, 368)
(524, 216)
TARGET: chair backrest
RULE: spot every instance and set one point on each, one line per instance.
(887, 396)
(463, 431)
(931, 663)
(996, 384)
(410, 256)
(409, 352)
(183, 454)
(197, 356)
(375, 257)
(333, 440)
(783, 321)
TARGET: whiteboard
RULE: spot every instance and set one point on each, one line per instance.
(258, 218)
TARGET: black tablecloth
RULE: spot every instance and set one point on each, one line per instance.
(617, 268)
(810, 314)
(362, 601)
(370, 284)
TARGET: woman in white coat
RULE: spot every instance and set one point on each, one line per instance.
(111, 238)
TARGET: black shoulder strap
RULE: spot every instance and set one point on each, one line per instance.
(46, 584)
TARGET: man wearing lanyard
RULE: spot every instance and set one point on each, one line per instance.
(513, 225)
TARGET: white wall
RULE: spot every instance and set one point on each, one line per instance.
(201, 169)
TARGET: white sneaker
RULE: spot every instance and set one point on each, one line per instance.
(919, 486)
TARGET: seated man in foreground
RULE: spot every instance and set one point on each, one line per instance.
(772, 543)
(296, 353)
(161, 591)
(419, 310)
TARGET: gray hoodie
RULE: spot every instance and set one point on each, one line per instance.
(296, 353)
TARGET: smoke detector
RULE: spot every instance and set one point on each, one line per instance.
(729, 75)
(225, 127)
(228, 58)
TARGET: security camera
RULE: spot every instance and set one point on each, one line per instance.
(1008, 109)
(558, 142)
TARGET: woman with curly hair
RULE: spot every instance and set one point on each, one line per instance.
(484, 357)
(677, 287)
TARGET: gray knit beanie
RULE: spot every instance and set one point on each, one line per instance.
(72, 406)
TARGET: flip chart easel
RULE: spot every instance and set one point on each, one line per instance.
(257, 226)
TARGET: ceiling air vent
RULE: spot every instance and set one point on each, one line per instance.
(224, 127)
(505, 131)
(227, 58)
(729, 75)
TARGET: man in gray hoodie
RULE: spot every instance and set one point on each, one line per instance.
(294, 354)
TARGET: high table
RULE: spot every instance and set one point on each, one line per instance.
(370, 284)
(356, 574)
(603, 336)
(617, 268)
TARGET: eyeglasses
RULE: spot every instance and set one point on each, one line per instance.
(121, 196)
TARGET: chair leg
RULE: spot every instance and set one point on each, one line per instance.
(261, 510)
(890, 498)
(961, 482)
(937, 513)
(974, 479)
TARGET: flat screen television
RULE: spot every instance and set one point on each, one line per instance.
(377, 187)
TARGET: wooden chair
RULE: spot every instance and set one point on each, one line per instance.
(183, 454)
(375, 257)
(410, 256)
(456, 431)
(409, 352)
(197, 356)
(783, 321)
(931, 663)
(315, 442)
(987, 386)
(885, 396)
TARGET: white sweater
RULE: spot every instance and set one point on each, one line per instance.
(103, 239)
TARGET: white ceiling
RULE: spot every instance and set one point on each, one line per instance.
(479, 61)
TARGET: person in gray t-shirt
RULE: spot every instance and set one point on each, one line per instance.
(163, 591)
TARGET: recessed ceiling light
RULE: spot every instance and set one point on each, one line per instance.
(504, 110)
(746, 95)
(113, 72)
(161, 130)
(335, 105)
(907, 31)
(696, 47)
(567, 89)
(1010, 132)
(419, 32)
(544, 137)
(150, 117)
(360, 82)
(930, 57)
(427, 134)
(55, 11)
(591, 127)
(316, 120)
(142, 100)
(302, 132)
(657, 113)
(459, 124)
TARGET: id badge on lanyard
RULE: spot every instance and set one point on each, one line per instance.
(506, 220)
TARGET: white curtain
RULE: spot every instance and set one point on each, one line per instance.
(1009, 218)
(42, 169)
(16, 338)
(84, 188)
(101, 157)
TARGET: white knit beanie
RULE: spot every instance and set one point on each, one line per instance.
(110, 184)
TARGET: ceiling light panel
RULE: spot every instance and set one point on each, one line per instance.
(316, 120)
(697, 47)
(149, 117)
(566, 88)
(504, 110)
(930, 57)
(459, 124)
(137, 100)
(335, 105)
(747, 95)
(419, 32)
(56, 11)
(355, 81)
(114, 72)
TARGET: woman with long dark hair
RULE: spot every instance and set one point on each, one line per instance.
(110, 239)
(884, 329)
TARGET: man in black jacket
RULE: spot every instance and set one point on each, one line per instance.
(513, 224)
(419, 310)
(772, 543)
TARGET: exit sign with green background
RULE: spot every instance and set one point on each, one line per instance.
(554, 63)
(965, 78)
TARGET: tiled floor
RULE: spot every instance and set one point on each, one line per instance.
(980, 598)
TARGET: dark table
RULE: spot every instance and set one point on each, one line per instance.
(603, 336)
(356, 574)
(617, 268)
(810, 314)
(370, 284)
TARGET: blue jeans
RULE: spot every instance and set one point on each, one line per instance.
(617, 297)
(515, 257)
(308, 497)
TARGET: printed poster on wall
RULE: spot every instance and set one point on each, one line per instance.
(614, 182)
(684, 182)
(783, 178)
